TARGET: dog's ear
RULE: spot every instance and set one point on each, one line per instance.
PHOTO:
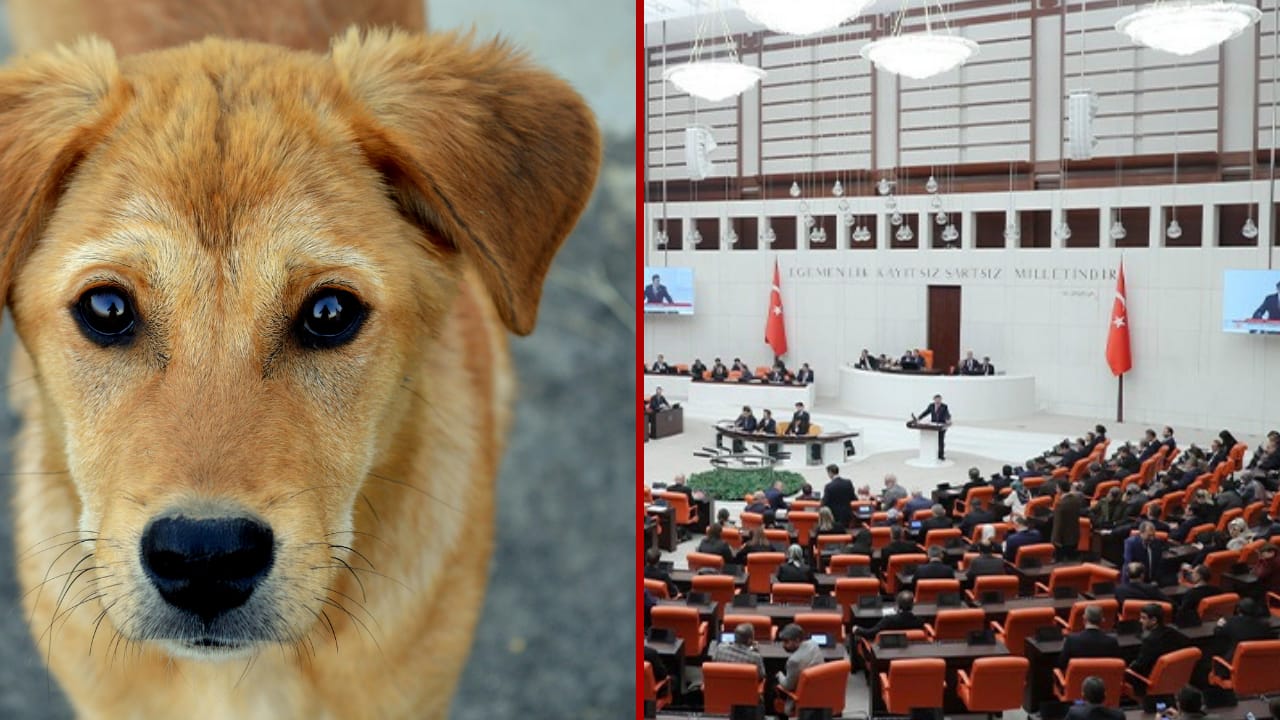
(54, 106)
(482, 150)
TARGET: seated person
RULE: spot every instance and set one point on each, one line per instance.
(1111, 510)
(936, 568)
(861, 542)
(767, 425)
(697, 368)
(714, 544)
(969, 365)
(897, 545)
(743, 649)
(807, 493)
(866, 361)
(1267, 568)
(753, 541)
(909, 361)
(904, 619)
(718, 370)
(1136, 587)
(938, 521)
(1189, 705)
(760, 505)
(1094, 705)
(660, 366)
(746, 421)
(775, 495)
(1157, 639)
(652, 571)
(892, 493)
(776, 374)
(746, 374)
(1188, 612)
(1023, 534)
(1091, 642)
(805, 374)
(916, 502)
(986, 368)
(795, 570)
(1251, 622)
(827, 523)
(978, 515)
(988, 561)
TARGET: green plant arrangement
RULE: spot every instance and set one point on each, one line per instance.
(722, 484)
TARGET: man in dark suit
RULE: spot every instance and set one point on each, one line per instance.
(937, 521)
(837, 495)
(1251, 622)
(1136, 587)
(897, 545)
(652, 571)
(1091, 642)
(776, 374)
(657, 401)
(746, 421)
(678, 484)
(656, 293)
(718, 370)
(799, 422)
(805, 374)
(986, 368)
(970, 365)
(1144, 548)
(777, 501)
(867, 361)
(1066, 522)
(938, 413)
(1157, 639)
(767, 425)
(978, 515)
(987, 562)
(1189, 605)
(697, 368)
(1150, 446)
(1024, 535)
(660, 366)
(936, 568)
(1270, 306)
(904, 619)
(1093, 708)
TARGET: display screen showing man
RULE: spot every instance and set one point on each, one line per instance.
(656, 293)
(1270, 307)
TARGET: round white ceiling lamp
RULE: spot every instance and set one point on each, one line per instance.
(1186, 27)
(801, 17)
(920, 55)
(713, 80)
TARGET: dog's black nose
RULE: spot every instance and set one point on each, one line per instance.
(207, 567)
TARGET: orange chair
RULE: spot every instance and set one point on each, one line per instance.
(762, 625)
(1172, 504)
(941, 537)
(1068, 686)
(792, 594)
(1253, 513)
(1079, 468)
(896, 564)
(1227, 516)
(823, 542)
(760, 570)
(1133, 479)
(880, 536)
(985, 493)
(1149, 466)
(1078, 578)
(732, 536)
(1041, 551)
(828, 623)
(922, 515)
(1236, 456)
(721, 588)
(856, 505)
(1171, 673)
(879, 517)
(1249, 552)
(913, 685)
(648, 495)
(684, 621)
(927, 591)
(850, 590)
(1020, 625)
(1075, 620)
(658, 693)
(1132, 608)
(1220, 563)
(1217, 606)
(1060, 473)
(656, 588)
(679, 502)
(803, 523)
(1195, 531)
(1002, 531)
(1101, 574)
(1086, 536)
(956, 624)
(751, 521)
(821, 687)
(1007, 584)
(840, 564)
(1252, 668)
(698, 560)
(806, 505)
(726, 684)
(993, 684)
(1104, 488)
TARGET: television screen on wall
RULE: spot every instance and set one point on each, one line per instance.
(1251, 301)
(668, 290)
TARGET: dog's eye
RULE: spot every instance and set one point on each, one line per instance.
(106, 315)
(329, 318)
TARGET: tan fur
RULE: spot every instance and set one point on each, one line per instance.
(221, 182)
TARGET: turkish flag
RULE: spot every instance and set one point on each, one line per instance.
(1118, 355)
(775, 332)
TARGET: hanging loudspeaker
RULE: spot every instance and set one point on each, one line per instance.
(698, 145)
(1082, 105)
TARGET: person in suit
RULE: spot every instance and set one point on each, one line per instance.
(656, 293)
(1190, 706)
(1251, 622)
(658, 401)
(937, 412)
(1093, 708)
(1150, 446)
(714, 544)
(898, 545)
(867, 361)
(739, 366)
(978, 515)
(1188, 613)
(1112, 509)
(697, 368)
(970, 365)
(799, 421)
(795, 570)
(837, 495)
(775, 496)
(1091, 642)
(746, 374)
(1157, 639)
(776, 374)
(803, 654)
(1267, 567)
(904, 619)
(988, 561)
(1145, 549)
(718, 370)
(936, 568)
(746, 421)
(1270, 307)
(1024, 535)
(652, 571)
(1166, 439)
(660, 366)
(986, 368)
(1217, 454)
(804, 375)
(1066, 522)
(917, 501)
(680, 484)
(908, 361)
(767, 425)
(1135, 586)
(938, 520)
(892, 493)
(1071, 453)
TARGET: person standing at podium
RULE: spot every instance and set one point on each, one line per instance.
(657, 401)
(939, 414)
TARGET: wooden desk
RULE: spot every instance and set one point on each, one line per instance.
(781, 614)
(666, 423)
(706, 611)
(666, 516)
(956, 654)
(1255, 705)
(672, 654)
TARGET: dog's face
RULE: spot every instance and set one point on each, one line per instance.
(225, 264)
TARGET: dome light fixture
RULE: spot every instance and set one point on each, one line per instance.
(920, 55)
(713, 80)
(801, 17)
(1186, 27)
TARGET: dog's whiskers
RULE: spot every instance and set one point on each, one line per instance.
(417, 489)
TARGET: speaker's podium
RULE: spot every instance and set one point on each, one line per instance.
(928, 454)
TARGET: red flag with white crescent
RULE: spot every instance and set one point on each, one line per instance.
(1118, 355)
(775, 332)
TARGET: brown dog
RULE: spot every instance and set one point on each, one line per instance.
(261, 294)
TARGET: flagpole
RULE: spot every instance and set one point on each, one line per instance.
(1120, 400)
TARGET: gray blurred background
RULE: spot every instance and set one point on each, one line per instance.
(556, 639)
